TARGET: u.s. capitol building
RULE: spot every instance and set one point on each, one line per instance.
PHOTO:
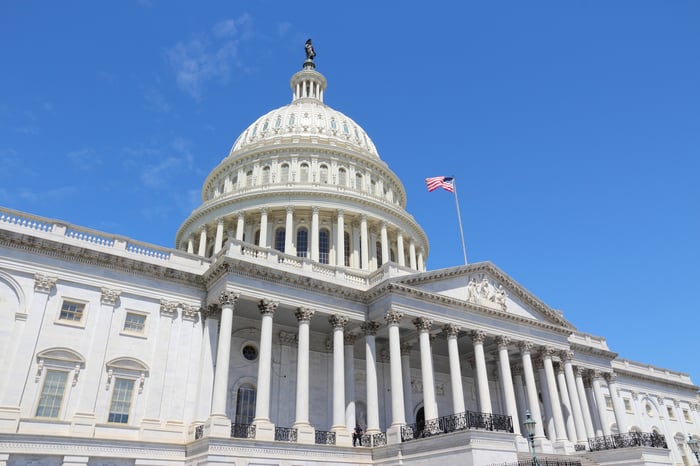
(295, 308)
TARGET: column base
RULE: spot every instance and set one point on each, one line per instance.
(544, 445)
(343, 438)
(393, 435)
(564, 447)
(264, 430)
(306, 434)
(83, 425)
(218, 426)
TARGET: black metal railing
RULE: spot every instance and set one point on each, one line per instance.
(373, 440)
(541, 462)
(199, 432)
(631, 439)
(286, 434)
(580, 447)
(325, 438)
(455, 422)
(242, 431)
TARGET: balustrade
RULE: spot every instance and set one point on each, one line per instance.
(243, 431)
(285, 434)
(455, 422)
(325, 438)
(629, 440)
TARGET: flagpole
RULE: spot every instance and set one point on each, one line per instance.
(459, 219)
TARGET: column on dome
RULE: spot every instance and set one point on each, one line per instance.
(240, 226)
(349, 355)
(583, 400)
(576, 411)
(421, 265)
(264, 429)
(399, 249)
(547, 415)
(618, 406)
(412, 253)
(202, 241)
(374, 260)
(600, 401)
(219, 424)
(338, 323)
(393, 318)
(517, 371)
(452, 332)
(370, 331)
(423, 326)
(313, 247)
(364, 242)
(532, 399)
(340, 241)
(355, 256)
(190, 245)
(482, 381)
(567, 410)
(385, 243)
(219, 238)
(305, 432)
(406, 375)
(263, 228)
(547, 353)
(289, 231)
(507, 381)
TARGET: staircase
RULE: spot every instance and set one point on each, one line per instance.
(580, 456)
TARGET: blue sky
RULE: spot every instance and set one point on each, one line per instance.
(572, 128)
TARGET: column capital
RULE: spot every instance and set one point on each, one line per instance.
(203, 228)
(526, 346)
(547, 352)
(451, 330)
(337, 321)
(109, 297)
(422, 324)
(596, 374)
(304, 314)
(228, 298)
(369, 328)
(635, 394)
(363, 217)
(676, 403)
(190, 312)
(503, 341)
(315, 210)
(566, 355)
(168, 308)
(610, 377)
(220, 220)
(290, 209)
(478, 336)
(44, 283)
(241, 214)
(213, 311)
(267, 306)
(263, 210)
(580, 371)
(559, 368)
(406, 349)
(349, 339)
(393, 317)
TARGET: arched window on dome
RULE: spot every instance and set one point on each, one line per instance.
(373, 187)
(323, 246)
(266, 175)
(346, 249)
(302, 242)
(358, 181)
(284, 173)
(234, 182)
(279, 239)
(342, 177)
(249, 178)
(304, 173)
(379, 254)
(245, 404)
(323, 174)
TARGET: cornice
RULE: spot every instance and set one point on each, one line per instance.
(579, 348)
(650, 378)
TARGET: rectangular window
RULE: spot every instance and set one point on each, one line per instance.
(134, 323)
(628, 405)
(671, 413)
(52, 394)
(686, 415)
(121, 401)
(608, 402)
(72, 311)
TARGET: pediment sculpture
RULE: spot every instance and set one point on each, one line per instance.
(485, 293)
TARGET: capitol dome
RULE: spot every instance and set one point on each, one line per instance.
(307, 181)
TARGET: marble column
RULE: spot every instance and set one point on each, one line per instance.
(577, 412)
(289, 231)
(583, 400)
(547, 353)
(385, 243)
(370, 331)
(423, 326)
(264, 429)
(399, 249)
(420, 264)
(600, 402)
(190, 245)
(349, 354)
(364, 242)
(412, 254)
(567, 410)
(547, 415)
(338, 323)
(240, 227)
(313, 247)
(340, 241)
(507, 381)
(263, 228)
(482, 381)
(202, 241)
(219, 424)
(618, 405)
(219, 238)
(532, 399)
(592, 405)
(407, 387)
(520, 395)
(452, 332)
(393, 318)
(305, 432)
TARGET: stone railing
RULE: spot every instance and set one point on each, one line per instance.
(455, 422)
(31, 222)
(541, 462)
(629, 440)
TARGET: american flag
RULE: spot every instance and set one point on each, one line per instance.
(444, 182)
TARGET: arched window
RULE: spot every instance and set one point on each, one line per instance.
(373, 187)
(234, 182)
(302, 242)
(279, 239)
(342, 177)
(323, 246)
(284, 173)
(245, 404)
(266, 175)
(304, 173)
(379, 254)
(358, 181)
(346, 248)
(323, 174)
(249, 178)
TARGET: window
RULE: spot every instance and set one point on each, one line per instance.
(72, 311)
(346, 248)
(302, 242)
(358, 181)
(304, 173)
(234, 182)
(323, 246)
(249, 352)
(121, 401)
(134, 322)
(608, 402)
(266, 175)
(671, 414)
(279, 239)
(284, 173)
(342, 177)
(686, 415)
(323, 174)
(373, 187)
(628, 405)
(52, 394)
(249, 178)
(245, 405)
(379, 254)
(256, 237)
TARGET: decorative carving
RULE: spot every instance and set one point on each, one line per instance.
(406, 349)
(566, 355)
(547, 352)
(486, 294)
(349, 339)
(213, 311)
(478, 336)
(611, 377)
(370, 328)
(440, 389)
(228, 298)
(44, 283)
(538, 362)
(142, 380)
(526, 346)
(304, 314)
(503, 341)
(189, 312)
(76, 374)
(267, 307)
(337, 321)
(109, 297)
(393, 317)
(559, 368)
(288, 339)
(39, 370)
(168, 308)
(580, 371)
(451, 330)
(384, 355)
(596, 374)
(635, 395)
(516, 369)
(110, 374)
(422, 324)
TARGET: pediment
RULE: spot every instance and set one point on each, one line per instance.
(485, 285)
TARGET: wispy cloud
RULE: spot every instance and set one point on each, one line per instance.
(84, 159)
(157, 169)
(210, 56)
(47, 196)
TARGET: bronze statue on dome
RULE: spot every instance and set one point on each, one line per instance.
(309, 48)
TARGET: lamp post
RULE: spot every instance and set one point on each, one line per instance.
(530, 428)
(694, 447)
